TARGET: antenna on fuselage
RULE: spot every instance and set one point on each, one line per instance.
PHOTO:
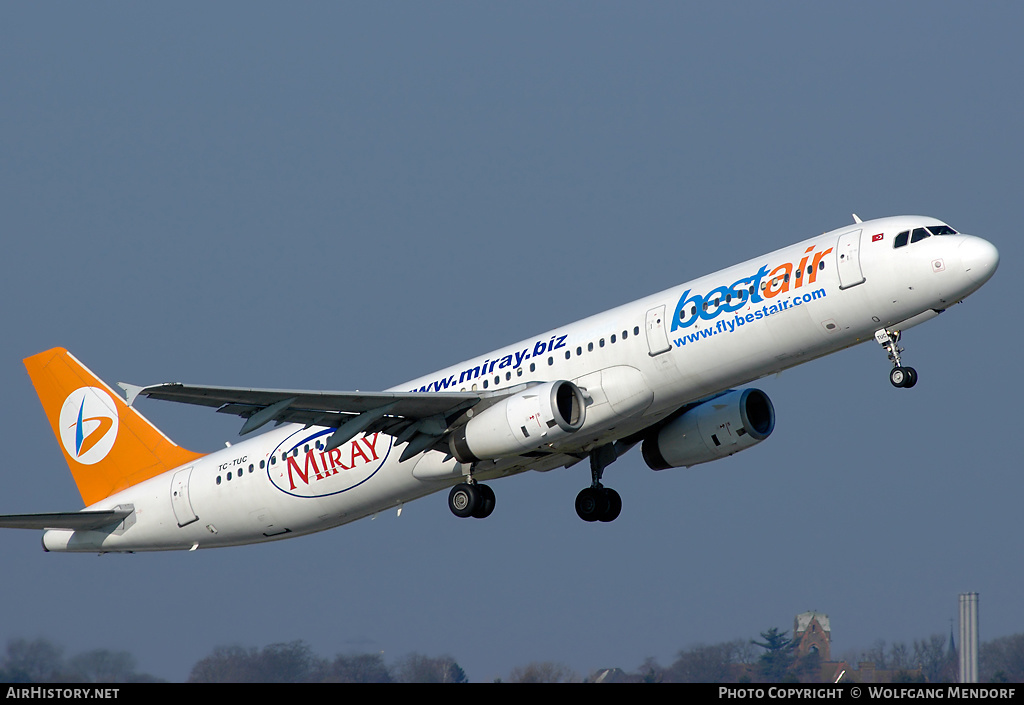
(856, 218)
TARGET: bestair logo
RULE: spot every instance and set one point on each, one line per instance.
(88, 425)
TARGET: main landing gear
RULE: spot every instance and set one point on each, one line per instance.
(900, 376)
(471, 499)
(597, 502)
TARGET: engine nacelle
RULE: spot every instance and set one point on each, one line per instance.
(534, 417)
(719, 427)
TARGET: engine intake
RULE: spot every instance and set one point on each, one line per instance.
(717, 428)
(523, 422)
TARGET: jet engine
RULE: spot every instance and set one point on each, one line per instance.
(534, 417)
(716, 428)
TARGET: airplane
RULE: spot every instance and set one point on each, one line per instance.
(665, 372)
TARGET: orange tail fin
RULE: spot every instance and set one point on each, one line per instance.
(107, 444)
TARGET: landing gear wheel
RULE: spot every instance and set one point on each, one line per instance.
(598, 504)
(464, 499)
(591, 503)
(899, 375)
(905, 377)
(614, 505)
(486, 502)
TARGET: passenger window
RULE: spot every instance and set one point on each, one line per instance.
(590, 347)
(636, 330)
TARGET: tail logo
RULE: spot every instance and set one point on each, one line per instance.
(88, 425)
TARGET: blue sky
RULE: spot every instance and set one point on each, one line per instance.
(351, 195)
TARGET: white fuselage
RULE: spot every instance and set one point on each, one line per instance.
(637, 363)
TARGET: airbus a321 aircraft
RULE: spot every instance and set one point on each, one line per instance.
(661, 372)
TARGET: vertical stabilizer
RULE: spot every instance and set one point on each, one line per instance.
(107, 445)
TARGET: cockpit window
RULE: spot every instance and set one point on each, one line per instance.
(921, 233)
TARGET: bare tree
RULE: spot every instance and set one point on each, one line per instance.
(291, 662)
(35, 661)
(900, 657)
(104, 666)
(932, 656)
(417, 668)
(651, 671)
(227, 664)
(543, 672)
(1002, 660)
(358, 668)
(708, 664)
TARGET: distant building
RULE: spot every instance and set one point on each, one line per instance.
(813, 635)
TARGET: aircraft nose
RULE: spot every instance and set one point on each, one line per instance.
(979, 257)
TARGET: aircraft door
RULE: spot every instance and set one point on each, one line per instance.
(657, 334)
(180, 501)
(848, 260)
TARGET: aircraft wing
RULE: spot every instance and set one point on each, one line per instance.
(77, 521)
(422, 419)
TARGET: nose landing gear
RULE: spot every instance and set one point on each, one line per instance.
(899, 376)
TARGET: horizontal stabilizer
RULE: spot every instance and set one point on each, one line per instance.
(76, 521)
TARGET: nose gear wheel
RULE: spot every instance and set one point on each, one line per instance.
(899, 375)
